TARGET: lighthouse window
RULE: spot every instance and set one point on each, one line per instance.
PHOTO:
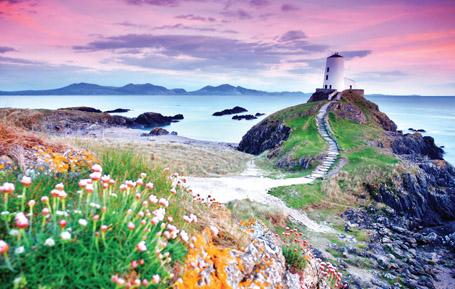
(327, 77)
(328, 68)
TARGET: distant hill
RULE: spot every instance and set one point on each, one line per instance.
(145, 89)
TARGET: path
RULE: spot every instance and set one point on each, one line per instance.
(251, 185)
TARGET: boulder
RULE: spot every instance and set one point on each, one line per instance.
(244, 116)
(159, 131)
(416, 145)
(259, 114)
(152, 119)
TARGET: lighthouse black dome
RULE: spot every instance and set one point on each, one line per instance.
(335, 55)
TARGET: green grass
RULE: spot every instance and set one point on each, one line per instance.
(305, 140)
(299, 196)
(89, 260)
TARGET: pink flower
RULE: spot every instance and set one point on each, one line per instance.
(45, 199)
(123, 187)
(82, 183)
(145, 282)
(21, 220)
(153, 199)
(156, 279)
(97, 168)
(184, 236)
(31, 203)
(8, 188)
(139, 182)
(214, 230)
(89, 188)
(26, 181)
(62, 224)
(45, 212)
(163, 202)
(105, 179)
(59, 187)
(141, 246)
(173, 191)
(104, 228)
(4, 247)
(134, 264)
(131, 226)
(95, 176)
(149, 186)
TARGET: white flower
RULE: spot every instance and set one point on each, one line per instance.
(159, 214)
(19, 250)
(141, 246)
(14, 232)
(97, 168)
(65, 235)
(184, 236)
(82, 222)
(163, 202)
(49, 242)
(156, 279)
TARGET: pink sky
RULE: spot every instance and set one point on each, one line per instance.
(394, 47)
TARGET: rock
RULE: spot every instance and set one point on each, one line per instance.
(151, 119)
(234, 110)
(416, 145)
(117, 110)
(159, 131)
(421, 130)
(244, 116)
(411, 129)
(349, 111)
(257, 114)
(82, 108)
(265, 135)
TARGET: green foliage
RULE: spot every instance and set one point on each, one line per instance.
(93, 254)
(299, 196)
(294, 256)
(305, 140)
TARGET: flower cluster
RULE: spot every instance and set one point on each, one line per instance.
(330, 272)
(102, 216)
(296, 250)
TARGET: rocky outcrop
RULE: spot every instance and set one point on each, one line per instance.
(151, 119)
(320, 94)
(415, 146)
(118, 110)
(265, 135)
(234, 110)
(349, 111)
(82, 108)
(79, 120)
(244, 116)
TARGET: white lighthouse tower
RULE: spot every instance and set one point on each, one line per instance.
(334, 73)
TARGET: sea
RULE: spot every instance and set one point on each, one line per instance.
(434, 114)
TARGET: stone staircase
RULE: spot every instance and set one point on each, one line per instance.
(333, 151)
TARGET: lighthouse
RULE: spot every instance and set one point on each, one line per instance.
(334, 73)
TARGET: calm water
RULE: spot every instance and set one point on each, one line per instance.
(434, 114)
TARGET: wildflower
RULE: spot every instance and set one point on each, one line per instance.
(105, 179)
(184, 236)
(49, 242)
(145, 282)
(97, 168)
(139, 182)
(59, 187)
(82, 222)
(163, 202)
(143, 175)
(26, 181)
(131, 226)
(153, 199)
(82, 183)
(62, 224)
(62, 195)
(45, 211)
(31, 203)
(95, 176)
(104, 228)
(55, 193)
(8, 188)
(65, 235)
(173, 191)
(149, 186)
(134, 264)
(21, 220)
(19, 250)
(89, 188)
(193, 218)
(159, 213)
(156, 279)
(214, 230)
(96, 218)
(45, 199)
(4, 247)
(141, 246)
(170, 219)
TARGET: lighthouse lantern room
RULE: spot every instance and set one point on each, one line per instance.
(334, 73)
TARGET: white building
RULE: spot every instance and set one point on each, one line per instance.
(334, 73)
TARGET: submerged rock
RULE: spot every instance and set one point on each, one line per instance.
(118, 110)
(244, 116)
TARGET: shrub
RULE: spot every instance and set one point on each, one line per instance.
(296, 251)
(100, 235)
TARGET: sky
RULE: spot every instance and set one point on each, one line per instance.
(390, 46)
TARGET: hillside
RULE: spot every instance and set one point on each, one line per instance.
(388, 193)
(145, 89)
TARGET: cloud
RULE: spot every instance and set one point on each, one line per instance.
(131, 24)
(199, 52)
(13, 60)
(292, 35)
(355, 53)
(196, 18)
(4, 49)
(180, 26)
(239, 14)
(166, 3)
(259, 3)
(289, 8)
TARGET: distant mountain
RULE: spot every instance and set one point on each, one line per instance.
(145, 89)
